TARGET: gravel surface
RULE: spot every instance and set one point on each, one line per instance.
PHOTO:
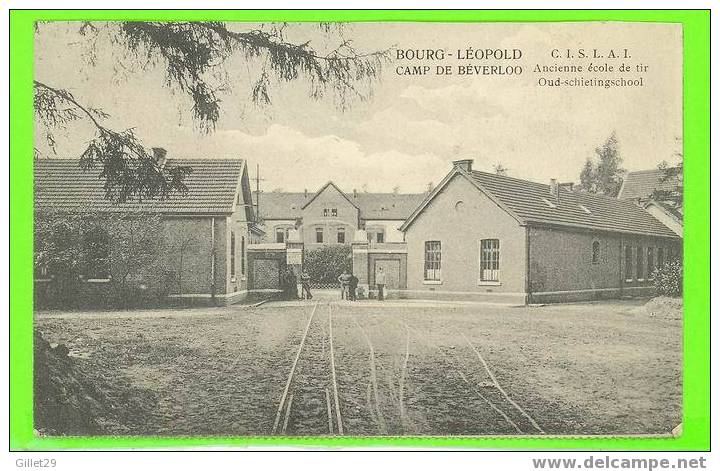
(400, 368)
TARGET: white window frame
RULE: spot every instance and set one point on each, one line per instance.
(481, 279)
(437, 272)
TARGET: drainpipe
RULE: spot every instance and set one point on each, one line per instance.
(528, 285)
(212, 259)
(620, 264)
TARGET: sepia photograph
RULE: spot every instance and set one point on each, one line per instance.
(358, 229)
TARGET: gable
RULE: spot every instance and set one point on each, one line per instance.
(330, 197)
(458, 204)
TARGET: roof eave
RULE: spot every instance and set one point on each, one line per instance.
(532, 223)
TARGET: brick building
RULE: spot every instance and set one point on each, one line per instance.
(481, 235)
(205, 232)
(331, 217)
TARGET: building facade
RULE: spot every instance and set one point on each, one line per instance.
(332, 217)
(205, 233)
(502, 239)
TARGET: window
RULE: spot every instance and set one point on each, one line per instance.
(661, 257)
(325, 212)
(596, 252)
(232, 253)
(375, 234)
(490, 260)
(319, 235)
(650, 262)
(242, 255)
(628, 263)
(282, 234)
(432, 261)
(639, 265)
(341, 235)
(333, 212)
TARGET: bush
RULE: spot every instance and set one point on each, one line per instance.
(326, 263)
(125, 248)
(668, 279)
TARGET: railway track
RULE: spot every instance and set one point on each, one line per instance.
(491, 392)
(310, 402)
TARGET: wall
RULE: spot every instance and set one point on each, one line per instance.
(271, 224)
(561, 266)
(562, 261)
(392, 234)
(188, 254)
(460, 227)
(347, 218)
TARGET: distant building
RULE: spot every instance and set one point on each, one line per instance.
(214, 222)
(331, 217)
(482, 235)
(655, 190)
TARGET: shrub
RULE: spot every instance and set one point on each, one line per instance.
(326, 263)
(122, 247)
(668, 279)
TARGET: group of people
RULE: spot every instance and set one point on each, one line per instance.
(348, 284)
(289, 284)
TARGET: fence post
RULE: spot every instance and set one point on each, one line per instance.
(360, 260)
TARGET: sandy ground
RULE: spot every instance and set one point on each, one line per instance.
(397, 368)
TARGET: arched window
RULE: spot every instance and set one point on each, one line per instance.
(596, 252)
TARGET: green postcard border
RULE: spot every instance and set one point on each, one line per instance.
(696, 392)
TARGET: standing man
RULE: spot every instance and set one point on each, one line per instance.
(292, 284)
(344, 280)
(380, 281)
(352, 287)
(305, 281)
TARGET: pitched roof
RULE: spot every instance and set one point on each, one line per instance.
(387, 205)
(60, 184)
(525, 200)
(641, 184)
(288, 205)
(325, 187)
(280, 205)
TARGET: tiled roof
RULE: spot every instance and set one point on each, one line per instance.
(60, 184)
(641, 184)
(525, 200)
(283, 205)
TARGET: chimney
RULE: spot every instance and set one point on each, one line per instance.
(464, 164)
(566, 186)
(554, 188)
(354, 192)
(305, 193)
(160, 156)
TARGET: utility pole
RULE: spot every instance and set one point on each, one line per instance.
(257, 189)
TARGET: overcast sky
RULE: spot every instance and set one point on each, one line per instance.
(414, 126)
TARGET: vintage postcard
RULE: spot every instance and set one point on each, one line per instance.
(358, 229)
